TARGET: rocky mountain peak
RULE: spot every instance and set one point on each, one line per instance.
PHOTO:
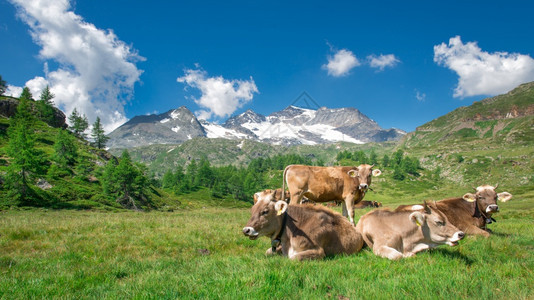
(292, 125)
(248, 116)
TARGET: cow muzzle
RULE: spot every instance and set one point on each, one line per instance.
(250, 232)
(493, 208)
(364, 187)
(456, 238)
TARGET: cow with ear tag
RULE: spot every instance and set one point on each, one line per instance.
(301, 231)
(399, 234)
(472, 212)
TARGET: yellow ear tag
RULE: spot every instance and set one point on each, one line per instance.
(417, 222)
(279, 212)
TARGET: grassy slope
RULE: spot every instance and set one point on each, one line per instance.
(71, 191)
(201, 253)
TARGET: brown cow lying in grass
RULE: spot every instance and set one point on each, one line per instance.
(365, 204)
(302, 231)
(398, 234)
(472, 212)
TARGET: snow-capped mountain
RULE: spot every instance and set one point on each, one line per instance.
(292, 125)
(173, 127)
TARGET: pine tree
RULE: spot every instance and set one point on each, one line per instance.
(373, 158)
(97, 133)
(109, 182)
(25, 158)
(385, 161)
(26, 94)
(65, 151)
(45, 106)
(79, 123)
(3, 86)
(130, 182)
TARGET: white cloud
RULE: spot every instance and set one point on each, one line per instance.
(480, 72)
(36, 86)
(382, 61)
(220, 97)
(96, 72)
(420, 96)
(13, 91)
(341, 63)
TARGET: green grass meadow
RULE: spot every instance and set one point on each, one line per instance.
(201, 253)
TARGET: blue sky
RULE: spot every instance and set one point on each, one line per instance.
(402, 63)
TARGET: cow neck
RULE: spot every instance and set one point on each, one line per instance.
(277, 240)
(478, 213)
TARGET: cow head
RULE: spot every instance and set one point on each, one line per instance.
(363, 174)
(435, 226)
(486, 198)
(266, 218)
(273, 194)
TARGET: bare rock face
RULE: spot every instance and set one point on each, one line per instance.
(8, 108)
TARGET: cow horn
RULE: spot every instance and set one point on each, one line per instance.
(496, 186)
(426, 207)
(372, 165)
(474, 188)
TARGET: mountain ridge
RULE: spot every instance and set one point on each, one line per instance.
(290, 126)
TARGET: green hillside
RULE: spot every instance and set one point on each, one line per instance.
(79, 183)
(489, 142)
(491, 123)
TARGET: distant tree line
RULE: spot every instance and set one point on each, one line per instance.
(239, 182)
(401, 164)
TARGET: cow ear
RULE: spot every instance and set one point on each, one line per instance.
(256, 196)
(504, 196)
(353, 173)
(470, 197)
(281, 207)
(418, 218)
(377, 172)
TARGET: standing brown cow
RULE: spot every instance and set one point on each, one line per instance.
(324, 184)
(472, 212)
(302, 231)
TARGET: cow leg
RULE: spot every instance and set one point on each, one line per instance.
(387, 252)
(349, 206)
(296, 197)
(309, 254)
(473, 230)
(270, 252)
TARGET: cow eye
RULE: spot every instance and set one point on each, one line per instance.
(263, 213)
(440, 223)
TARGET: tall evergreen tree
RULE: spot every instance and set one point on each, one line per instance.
(26, 94)
(78, 123)
(97, 133)
(385, 161)
(25, 158)
(373, 158)
(3, 86)
(131, 182)
(65, 151)
(45, 106)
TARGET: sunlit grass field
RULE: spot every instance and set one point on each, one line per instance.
(201, 253)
